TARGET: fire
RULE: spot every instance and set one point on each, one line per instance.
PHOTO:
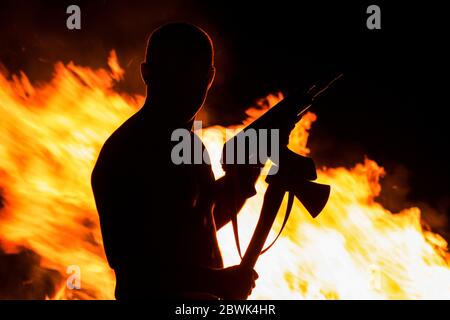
(51, 134)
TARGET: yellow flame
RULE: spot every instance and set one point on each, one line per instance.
(51, 135)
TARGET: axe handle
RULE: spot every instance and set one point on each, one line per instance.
(272, 202)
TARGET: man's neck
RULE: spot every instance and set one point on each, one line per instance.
(156, 113)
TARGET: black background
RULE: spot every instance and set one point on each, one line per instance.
(391, 105)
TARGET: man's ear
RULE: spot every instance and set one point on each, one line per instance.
(211, 75)
(145, 72)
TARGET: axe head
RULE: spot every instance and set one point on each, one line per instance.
(294, 173)
(313, 196)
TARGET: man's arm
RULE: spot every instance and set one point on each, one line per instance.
(102, 194)
(232, 190)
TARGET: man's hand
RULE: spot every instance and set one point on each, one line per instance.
(236, 282)
(241, 179)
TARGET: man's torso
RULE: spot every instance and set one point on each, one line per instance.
(160, 213)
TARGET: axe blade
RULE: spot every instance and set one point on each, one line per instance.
(314, 196)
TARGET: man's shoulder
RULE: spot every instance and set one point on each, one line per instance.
(115, 146)
(123, 137)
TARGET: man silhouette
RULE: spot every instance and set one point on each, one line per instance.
(158, 219)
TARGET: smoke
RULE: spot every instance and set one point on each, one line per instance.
(23, 278)
(38, 36)
(21, 275)
(2, 200)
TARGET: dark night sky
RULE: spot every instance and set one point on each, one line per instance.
(390, 107)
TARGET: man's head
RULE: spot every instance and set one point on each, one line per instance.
(179, 69)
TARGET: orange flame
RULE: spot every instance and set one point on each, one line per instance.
(51, 135)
